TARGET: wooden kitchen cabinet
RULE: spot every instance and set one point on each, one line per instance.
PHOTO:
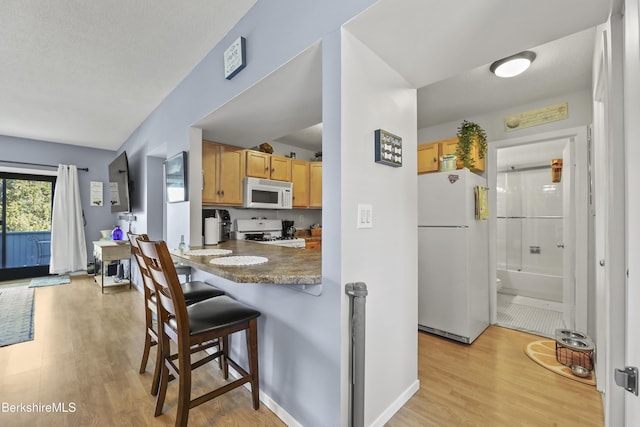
(428, 157)
(268, 166)
(258, 164)
(300, 180)
(315, 245)
(444, 147)
(222, 174)
(315, 184)
(448, 146)
(280, 168)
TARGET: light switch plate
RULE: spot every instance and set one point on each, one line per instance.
(365, 216)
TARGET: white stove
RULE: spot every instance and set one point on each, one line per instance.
(266, 232)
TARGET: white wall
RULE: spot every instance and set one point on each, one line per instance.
(374, 96)
(492, 121)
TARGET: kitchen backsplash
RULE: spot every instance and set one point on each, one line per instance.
(302, 218)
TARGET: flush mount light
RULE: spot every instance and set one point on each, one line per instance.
(513, 65)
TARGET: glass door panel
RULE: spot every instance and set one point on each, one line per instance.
(26, 209)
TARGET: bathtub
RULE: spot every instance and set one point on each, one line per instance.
(533, 285)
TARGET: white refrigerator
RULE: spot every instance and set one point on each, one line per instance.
(453, 274)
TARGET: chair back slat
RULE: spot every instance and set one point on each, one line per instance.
(142, 266)
(167, 283)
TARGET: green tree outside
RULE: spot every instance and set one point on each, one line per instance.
(28, 205)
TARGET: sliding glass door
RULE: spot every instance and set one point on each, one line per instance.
(26, 203)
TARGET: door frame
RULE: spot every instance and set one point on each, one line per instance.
(579, 138)
(16, 273)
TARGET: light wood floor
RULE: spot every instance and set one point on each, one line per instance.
(494, 383)
(87, 351)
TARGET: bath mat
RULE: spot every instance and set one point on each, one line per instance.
(16, 315)
(543, 352)
(49, 281)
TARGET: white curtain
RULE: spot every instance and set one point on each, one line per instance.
(68, 246)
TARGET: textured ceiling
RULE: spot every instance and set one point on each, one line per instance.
(89, 72)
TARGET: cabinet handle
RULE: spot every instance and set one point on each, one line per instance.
(202, 189)
(222, 193)
(273, 169)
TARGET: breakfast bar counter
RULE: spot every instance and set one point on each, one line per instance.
(285, 266)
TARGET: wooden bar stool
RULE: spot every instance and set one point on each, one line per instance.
(193, 292)
(193, 325)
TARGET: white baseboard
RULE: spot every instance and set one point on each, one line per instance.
(267, 401)
(396, 405)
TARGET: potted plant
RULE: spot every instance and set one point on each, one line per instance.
(470, 133)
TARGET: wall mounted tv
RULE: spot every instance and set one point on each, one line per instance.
(119, 185)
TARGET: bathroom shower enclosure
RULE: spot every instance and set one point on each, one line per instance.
(540, 227)
(530, 232)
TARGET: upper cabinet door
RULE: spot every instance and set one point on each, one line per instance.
(258, 164)
(428, 155)
(209, 170)
(300, 179)
(222, 174)
(231, 175)
(280, 168)
(315, 184)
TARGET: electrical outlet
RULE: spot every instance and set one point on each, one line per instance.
(365, 216)
(301, 219)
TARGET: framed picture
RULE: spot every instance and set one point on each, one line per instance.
(175, 173)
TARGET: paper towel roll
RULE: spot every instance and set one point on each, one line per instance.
(211, 231)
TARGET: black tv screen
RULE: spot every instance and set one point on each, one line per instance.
(119, 184)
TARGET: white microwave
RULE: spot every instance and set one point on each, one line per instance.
(267, 194)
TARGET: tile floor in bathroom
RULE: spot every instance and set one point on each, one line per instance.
(539, 317)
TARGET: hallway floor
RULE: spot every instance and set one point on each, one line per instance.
(493, 383)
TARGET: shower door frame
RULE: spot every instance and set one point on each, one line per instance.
(576, 310)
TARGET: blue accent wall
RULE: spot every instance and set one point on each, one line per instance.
(300, 335)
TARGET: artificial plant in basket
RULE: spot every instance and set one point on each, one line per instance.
(470, 133)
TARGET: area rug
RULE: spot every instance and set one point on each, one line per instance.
(49, 281)
(16, 315)
(543, 352)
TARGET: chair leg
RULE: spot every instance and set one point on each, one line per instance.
(145, 352)
(252, 350)
(156, 372)
(184, 391)
(164, 374)
(224, 347)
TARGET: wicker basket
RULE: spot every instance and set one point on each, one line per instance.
(316, 232)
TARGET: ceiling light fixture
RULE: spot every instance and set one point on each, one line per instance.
(513, 65)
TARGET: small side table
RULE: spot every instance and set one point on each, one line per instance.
(109, 250)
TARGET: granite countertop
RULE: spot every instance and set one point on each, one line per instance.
(286, 266)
